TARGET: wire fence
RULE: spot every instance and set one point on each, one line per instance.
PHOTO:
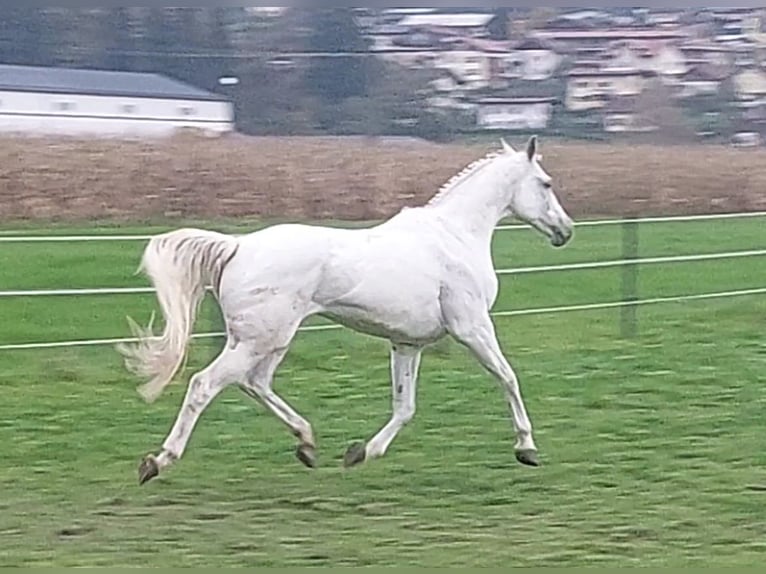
(629, 301)
(499, 314)
(500, 272)
(22, 237)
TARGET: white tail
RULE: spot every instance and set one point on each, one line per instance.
(181, 265)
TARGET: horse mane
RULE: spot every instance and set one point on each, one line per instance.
(469, 171)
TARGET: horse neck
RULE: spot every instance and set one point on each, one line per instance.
(477, 204)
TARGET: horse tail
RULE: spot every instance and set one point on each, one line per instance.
(181, 265)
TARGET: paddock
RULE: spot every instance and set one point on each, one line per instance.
(642, 366)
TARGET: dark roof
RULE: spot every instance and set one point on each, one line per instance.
(612, 34)
(534, 89)
(533, 43)
(705, 48)
(703, 73)
(512, 100)
(98, 83)
(607, 73)
(452, 75)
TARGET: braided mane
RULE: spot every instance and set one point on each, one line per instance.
(461, 177)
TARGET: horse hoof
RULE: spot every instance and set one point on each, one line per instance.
(527, 457)
(307, 455)
(356, 454)
(148, 469)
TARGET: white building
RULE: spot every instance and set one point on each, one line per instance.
(532, 59)
(73, 102)
(514, 113)
(466, 24)
(472, 67)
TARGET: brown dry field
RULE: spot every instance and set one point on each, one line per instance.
(347, 179)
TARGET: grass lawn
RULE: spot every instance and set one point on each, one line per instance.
(651, 448)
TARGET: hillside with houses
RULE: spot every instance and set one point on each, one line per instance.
(438, 74)
(690, 73)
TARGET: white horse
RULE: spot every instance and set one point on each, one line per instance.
(423, 274)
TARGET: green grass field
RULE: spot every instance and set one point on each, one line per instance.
(652, 448)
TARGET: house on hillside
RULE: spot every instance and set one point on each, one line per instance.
(750, 85)
(754, 30)
(532, 59)
(621, 115)
(514, 113)
(709, 54)
(754, 118)
(267, 11)
(410, 58)
(571, 41)
(702, 80)
(386, 37)
(659, 57)
(469, 24)
(591, 88)
(74, 102)
(664, 18)
(586, 18)
(394, 15)
(474, 67)
(449, 92)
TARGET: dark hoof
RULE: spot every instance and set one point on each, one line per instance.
(307, 455)
(527, 457)
(356, 454)
(148, 469)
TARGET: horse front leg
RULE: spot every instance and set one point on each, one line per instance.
(405, 363)
(471, 325)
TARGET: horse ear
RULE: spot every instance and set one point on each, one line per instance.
(532, 148)
(507, 148)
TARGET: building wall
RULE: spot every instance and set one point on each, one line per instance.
(470, 66)
(750, 84)
(618, 122)
(669, 62)
(64, 114)
(514, 116)
(699, 88)
(580, 90)
(539, 64)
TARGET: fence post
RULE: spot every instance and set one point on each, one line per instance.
(628, 319)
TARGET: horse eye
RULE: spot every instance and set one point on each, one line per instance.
(547, 184)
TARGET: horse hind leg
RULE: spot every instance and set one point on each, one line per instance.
(231, 366)
(258, 386)
(268, 327)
